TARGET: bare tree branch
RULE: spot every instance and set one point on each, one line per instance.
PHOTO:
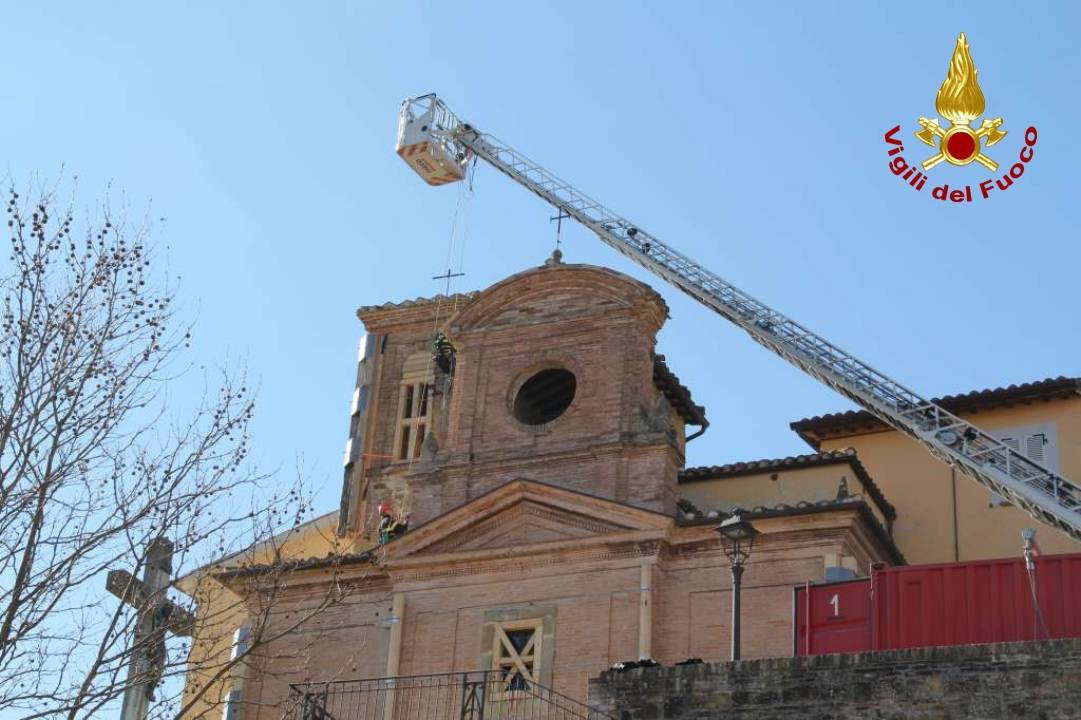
(98, 459)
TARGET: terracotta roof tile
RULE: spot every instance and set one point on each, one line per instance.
(677, 394)
(852, 422)
(746, 467)
(801, 508)
(366, 557)
(795, 462)
(456, 297)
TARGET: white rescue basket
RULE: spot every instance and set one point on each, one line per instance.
(420, 143)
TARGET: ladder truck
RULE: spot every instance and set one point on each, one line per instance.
(439, 146)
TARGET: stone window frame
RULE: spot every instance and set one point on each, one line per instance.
(541, 617)
(522, 376)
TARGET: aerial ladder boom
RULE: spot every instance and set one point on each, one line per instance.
(433, 141)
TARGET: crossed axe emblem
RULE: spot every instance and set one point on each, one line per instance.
(959, 144)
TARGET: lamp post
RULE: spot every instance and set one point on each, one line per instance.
(737, 537)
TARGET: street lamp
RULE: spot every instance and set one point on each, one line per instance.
(737, 537)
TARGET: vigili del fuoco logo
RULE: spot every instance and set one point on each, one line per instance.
(960, 101)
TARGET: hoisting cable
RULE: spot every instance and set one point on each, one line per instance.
(458, 231)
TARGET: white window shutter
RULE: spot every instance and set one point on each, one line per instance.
(1034, 447)
(1037, 442)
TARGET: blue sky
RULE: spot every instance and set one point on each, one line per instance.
(747, 135)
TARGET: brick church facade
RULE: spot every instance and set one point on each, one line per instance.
(537, 461)
(537, 464)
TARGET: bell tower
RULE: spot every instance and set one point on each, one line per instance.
(549, 375)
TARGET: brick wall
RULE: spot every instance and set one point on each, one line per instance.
(1018, 680)
(591, 594)
(596, 323)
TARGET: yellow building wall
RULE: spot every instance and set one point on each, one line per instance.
(220, 611)
(791, 486)
(931, 525)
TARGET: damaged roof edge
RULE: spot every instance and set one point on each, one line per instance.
(678, 395)
(345, 559)
(417, 302)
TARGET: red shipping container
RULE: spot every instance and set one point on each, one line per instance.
(949, 604)
(836, 620)
(976, 602)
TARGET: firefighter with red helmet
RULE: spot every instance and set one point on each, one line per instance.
(391, 525)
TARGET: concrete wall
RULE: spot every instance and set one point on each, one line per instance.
(1021, 680)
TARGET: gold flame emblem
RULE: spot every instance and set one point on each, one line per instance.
(960, 100)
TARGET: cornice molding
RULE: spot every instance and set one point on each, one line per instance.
(626, 546)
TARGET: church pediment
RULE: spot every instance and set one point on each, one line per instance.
(526, 516)
(556, 292)
(525, 523)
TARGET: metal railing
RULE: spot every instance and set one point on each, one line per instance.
(489, 695)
